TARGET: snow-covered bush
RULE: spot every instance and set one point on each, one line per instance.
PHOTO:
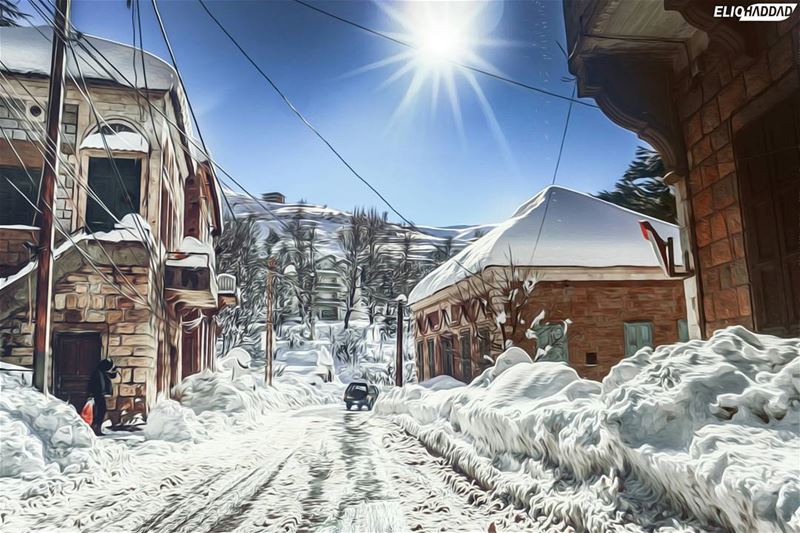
(708, 429)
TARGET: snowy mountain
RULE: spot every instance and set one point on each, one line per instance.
(329, 221)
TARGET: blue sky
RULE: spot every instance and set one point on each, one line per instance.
(417, 157)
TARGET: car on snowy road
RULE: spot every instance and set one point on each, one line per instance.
(360, 393)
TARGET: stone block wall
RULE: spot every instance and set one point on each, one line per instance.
(14, 253)
(84, 301)
(711, 109)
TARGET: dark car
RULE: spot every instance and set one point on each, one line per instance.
(360, 394)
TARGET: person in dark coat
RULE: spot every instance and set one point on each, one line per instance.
(99, 387)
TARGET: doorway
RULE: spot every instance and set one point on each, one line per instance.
(75, 356)
(768, 165)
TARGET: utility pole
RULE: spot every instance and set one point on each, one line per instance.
(398, 373)
(44, 270)
(269, 326)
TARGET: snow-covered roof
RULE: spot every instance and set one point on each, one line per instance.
(23, 50)
(579, 231)
(124, 140)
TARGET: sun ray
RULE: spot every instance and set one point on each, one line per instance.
(391, 60)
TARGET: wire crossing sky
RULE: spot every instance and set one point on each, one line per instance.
(444, 147)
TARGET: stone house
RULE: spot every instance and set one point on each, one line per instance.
(137, 213)
(568, 277)
(720, 100)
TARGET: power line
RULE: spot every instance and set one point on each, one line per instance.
(180, 78)
(33, 140)
(454, 62)
(66, 234)
(85, 45)
(300, 115)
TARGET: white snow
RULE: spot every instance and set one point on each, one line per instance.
(119, 141)
(443, 382)
(579, 231)
(126, 230)
(193, 253)
(704, 429)
(41, 436)
(211, 402)
(26, 51)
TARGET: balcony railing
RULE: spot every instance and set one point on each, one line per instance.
(226, 283)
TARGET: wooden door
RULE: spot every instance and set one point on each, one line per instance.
(75, 356)
(768, 165)
(189, 353)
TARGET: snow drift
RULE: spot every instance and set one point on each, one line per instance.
(704, 429)
(209, 402)
(41, 436)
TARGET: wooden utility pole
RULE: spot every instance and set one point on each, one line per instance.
(44, 270)
(398, 374)
(268, 334)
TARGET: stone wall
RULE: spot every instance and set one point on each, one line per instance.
(85, 301)
(598, 311)
(14, 251)
(711, 109)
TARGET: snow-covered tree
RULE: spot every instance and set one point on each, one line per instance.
(354, 245)
(297, 258)
(375, 263)
(240, 252)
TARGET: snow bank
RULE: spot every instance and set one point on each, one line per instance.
(706, 429)
(41, 436)
(443, 382)
(209, 402)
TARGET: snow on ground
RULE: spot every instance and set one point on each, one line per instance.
(703, 435)
(44, 438)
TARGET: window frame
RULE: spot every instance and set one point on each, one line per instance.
(19, 180)
(632, 327)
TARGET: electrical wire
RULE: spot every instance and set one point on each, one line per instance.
(34, 143)
(301, 116)
(452, 61)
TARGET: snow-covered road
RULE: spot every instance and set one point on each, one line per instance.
(316, 469)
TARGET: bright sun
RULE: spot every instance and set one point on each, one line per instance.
(441, 37)
(440, 44)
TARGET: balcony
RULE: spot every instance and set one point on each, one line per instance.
(189, 276)
(228, 294)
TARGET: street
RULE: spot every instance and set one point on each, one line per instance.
(318, 469)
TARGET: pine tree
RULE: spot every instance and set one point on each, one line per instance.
(11, 14)
(642, 189)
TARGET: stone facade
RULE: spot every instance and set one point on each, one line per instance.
(692, 85)
(711, 112)
(113, 288)
(597, 310)
(14, 248)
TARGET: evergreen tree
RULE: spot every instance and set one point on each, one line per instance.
(11, 14)
(642, 189)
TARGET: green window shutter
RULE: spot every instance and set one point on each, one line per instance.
(637, 336)
(683, 330)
